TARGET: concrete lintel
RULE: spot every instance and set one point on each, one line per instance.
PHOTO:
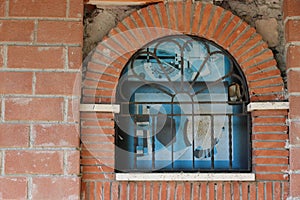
(114, 108)
(267, 106)
(185, 177)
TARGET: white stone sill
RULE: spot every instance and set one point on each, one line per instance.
(185, 177)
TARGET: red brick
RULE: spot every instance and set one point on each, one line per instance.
(219, 192)
(277, 169)
(214, 21)
(76, 9)
(2, 56)
(253, 192)
(48, 57)
(48, 135)
(236, 191)
(268, 144)
(196, 18)
(293, 77)
(156, 193)
(294, 133)
(203, 191)
(227, 191)
(291, 8)
(277, 191)
(267, 82)
(28, 8)
(283, 137)
(187, 190)
(295, 185)
(55, 188)
(180, 17)
(294, 159)
(13, 188)
(294, 107)
(262, 75)
(292, 30)
(47, 109)
(162, 10)
(245, 192)
(22, 31)
(205, 19)
(270, 113)
(292, 57)
(269, 128)
(60, 32)
(260, 191)
(14, 135)
(33, 162)
(75, 57)
(222, 24)
(73, 162)
(269, 120)
(211, 190)
(270, 152)
(2, 8)
(73, 110)
(275, 161)
(259, 67)
(271, 177)
(58, 83)
(16, 83)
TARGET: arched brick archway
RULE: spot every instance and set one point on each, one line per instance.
(205, 20)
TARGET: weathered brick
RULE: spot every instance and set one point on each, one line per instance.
(33, 162)
(75, 57)
(76, 9)
(47, 109)
(60, 32)
(13, 187)
(16, 82)
(214, 21)
(2, 8)
(73, 162)
(14, 135)
(295, 133)
(294, 161)
(293, 77)
(22, 31)
(73, 110)
(48, 135)
(275, 161)
(271, 152)
(294, 107)
(265, 137)
(294, 185)
(291, 8)
(28, 8)
(26, 57)
(58, 83)
(292, 30)
(2, 56)
(292, 56)
(56, 188)
(196, 18)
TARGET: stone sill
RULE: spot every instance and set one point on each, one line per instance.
(185, 177)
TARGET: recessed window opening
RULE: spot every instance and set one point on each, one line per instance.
(183, 108)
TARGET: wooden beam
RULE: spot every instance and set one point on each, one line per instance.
(121, 2)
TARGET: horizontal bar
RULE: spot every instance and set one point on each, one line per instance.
(185, 177)
(268, 106)
(114, 108)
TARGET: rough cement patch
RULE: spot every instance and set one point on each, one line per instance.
(268, 28)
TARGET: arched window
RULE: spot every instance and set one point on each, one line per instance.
(183, 108)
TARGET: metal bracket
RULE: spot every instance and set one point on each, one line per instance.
(114, 108)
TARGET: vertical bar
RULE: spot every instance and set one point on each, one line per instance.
(249, 143)
(193, 131)
(153, 141)
(212, 141)
(135, 142)
(230, 140)
(172, 148)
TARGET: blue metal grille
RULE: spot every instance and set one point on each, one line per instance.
(183, 108)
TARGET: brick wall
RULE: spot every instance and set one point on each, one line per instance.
(269, 129)
(292, 36)
(40, 67)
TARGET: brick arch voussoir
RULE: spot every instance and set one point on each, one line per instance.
(198, 19)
